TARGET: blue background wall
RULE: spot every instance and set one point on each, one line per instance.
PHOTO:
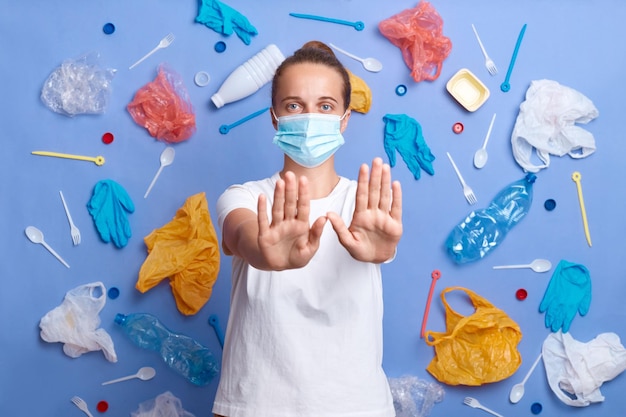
(577, 43)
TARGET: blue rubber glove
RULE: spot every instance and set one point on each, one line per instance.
(404, 134)
(108, 207)
(569, 291)
(224, 19)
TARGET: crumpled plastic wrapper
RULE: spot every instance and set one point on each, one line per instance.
(163, 107)
(418, 32)
(164, 405)
(361, 94)
(187, 251)
(78, 86)
(577, 370)
(414, 397)
(75, 323)
(547, 123)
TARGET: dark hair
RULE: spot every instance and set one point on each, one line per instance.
(315, 52)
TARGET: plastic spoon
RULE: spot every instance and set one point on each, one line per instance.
(166, 159)
(358, 25)
(480, 157)
(538, 265)
(370, 64)
(36, 236)
(224, 129)
(506, 86)
(144, 374)
(517, 391)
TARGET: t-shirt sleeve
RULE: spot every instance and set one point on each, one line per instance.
(235, 196)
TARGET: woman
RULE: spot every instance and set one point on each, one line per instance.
(304, 335)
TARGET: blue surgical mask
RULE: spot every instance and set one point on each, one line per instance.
(309, 138)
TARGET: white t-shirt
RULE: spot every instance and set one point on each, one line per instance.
(304, 342)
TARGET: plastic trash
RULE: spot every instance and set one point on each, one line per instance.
(418, 32)
(164, 108)
(249, 77)
(414, 397)
(75, 323)
(78, 86)
(483, 230)
(164, 405)
(108, 207)
(225, 20)
(182, 353)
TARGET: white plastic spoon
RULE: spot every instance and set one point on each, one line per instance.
(517, 391)
(166, 159)
(480, 157)
(36, 236)
(144, 374)
(370, 64)
(538, 265)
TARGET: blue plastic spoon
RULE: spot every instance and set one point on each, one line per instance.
(505, 86)
(224, 129)
(357, 25)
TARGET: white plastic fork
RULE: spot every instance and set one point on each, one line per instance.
(491, 66)
(74, 231)
(474, 403)
(467, 190)
(80, 403)
(164, 43)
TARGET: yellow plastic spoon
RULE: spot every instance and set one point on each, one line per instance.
(576, 177)
(98, 160)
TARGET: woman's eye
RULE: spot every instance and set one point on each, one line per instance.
(326, 107)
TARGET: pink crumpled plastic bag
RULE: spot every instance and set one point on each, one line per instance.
(418, 32)
(163, 107)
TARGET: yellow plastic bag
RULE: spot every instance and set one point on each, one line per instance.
(361, 97)
(475, 349)
(186, 250)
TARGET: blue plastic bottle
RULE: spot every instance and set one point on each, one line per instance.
(180, 352)
(483, 230)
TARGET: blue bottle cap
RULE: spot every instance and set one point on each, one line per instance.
(220, 47)
(108, 28)
(401, 90)
(550, 204)
(113, 293)
(536, 408)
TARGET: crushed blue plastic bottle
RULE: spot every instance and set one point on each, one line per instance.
(182, 353)
(483, 230)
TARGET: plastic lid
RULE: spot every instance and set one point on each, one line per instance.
(521, 294)
(550, 204)
(401, 90)
(120, 318)
(220, 47)
(102, 406)
(536, 408)
(202, 78)
(107, 138)
(113, 293)
(457, 127)
(108, 28)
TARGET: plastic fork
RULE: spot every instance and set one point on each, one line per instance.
(474, 403)
(73, 229)
(165, 42)
(467, 190)
(80, 403)
(491, 66)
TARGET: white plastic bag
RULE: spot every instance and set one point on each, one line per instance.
(164, 405)
(75, 323)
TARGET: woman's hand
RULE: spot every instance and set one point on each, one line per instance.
(288, 241)
(376, 225)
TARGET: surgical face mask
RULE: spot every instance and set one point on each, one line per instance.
(310, 138)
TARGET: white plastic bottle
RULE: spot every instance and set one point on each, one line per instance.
(249, 77)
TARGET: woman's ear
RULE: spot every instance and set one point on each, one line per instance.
(273, 117)
(344, 121)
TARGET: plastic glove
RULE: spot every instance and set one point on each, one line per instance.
(224, 19)
(404, 134)
(108, 207)
(569, 291)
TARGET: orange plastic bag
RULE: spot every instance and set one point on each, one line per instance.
(187, 251)
(361, 96)
(163, 107)
(418, 32)
(475, 349)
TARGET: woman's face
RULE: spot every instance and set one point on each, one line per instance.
(310, 88)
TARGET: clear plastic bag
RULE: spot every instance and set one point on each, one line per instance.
(164, 405)
(78, 86)
(414, 397)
